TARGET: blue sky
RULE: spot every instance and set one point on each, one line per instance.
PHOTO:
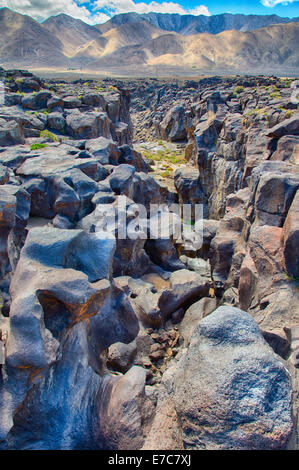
(99, 11)
(248, 7)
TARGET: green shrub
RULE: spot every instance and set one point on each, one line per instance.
(49, 136)
(238, 90)
(165, 174)
(254, 112)
(37, 146)
(275, 95)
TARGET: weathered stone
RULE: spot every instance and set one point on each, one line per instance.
(104, 150)
(173, 126)
(287, 127)
(11, 133)
(285, 148)
(8, 205)
(186, 287)
(131, 157)
(36, 101)
(188, 186)
(56, 121)
(121, 356)
(274, 186)
(88, 125)
(193, 315)
(291, 239)
(242, 401)
(71, 102)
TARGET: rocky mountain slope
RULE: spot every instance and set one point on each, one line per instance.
(189, 24)
(230, 50)
(153, 41)
(24, 41)
(101, 335)
(71, 32)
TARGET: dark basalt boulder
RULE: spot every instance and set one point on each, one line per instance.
(249, 390)
(36, 101)
(11, 133)
(241, 401)
(88, 125)
(287, 127)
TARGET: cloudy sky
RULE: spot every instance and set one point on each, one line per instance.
(99, 11)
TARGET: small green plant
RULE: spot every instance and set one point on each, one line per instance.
(49, 136)
(165, 174)
(254, 112)
(37, 146)
(19, 81)
(165, 155)
(238, 90)
(275, 95)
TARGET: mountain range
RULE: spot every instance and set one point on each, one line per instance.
(132, 41)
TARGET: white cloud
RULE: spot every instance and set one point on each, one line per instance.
(273, 3)
(101, 10)
(124, 6)
(42, 9)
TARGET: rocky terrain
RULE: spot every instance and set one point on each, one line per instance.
(157, 343)
(152, 44)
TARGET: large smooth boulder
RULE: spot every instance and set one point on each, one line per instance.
(173, 126)
(56, 121)
(55, 161)
(186, 287)
(49, 418)
(230, 390)
(66, 314)
(188, 186)
(104, 150)
(71, 102)
(36, 100)
(131, 157)
(274, 185)
(88, 125)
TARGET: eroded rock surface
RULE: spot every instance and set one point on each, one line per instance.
(158, 341)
